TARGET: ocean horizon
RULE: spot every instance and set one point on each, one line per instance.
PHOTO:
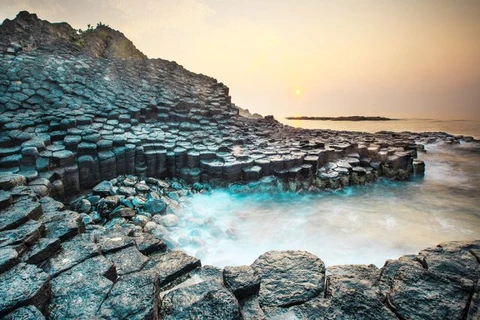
(463, 127)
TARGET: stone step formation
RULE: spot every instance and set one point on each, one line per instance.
(88, 114)
(57, 264)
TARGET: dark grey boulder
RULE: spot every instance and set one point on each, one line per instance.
(474, 305)
(289, 277)
(122, 212)
(344, 279)
(242, 281)
(423, 294)
(206, 300)
(454, 258)
(88, 171)
(352, 292)
(23, 285)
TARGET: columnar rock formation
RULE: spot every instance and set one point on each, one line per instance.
(88, 113)
(73, 116)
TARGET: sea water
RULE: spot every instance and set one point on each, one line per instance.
(356, 225)
(456, 127)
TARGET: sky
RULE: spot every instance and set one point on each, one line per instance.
(394, 58)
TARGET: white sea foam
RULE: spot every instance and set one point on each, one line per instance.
(366, 224)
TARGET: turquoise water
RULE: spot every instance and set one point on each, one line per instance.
(365, 224)
(456, 127)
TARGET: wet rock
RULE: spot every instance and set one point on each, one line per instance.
(169, 220)
(25, 313)
(74, 252)
(453, 258)
(418, 167)
(149, 244)
(205, 300)
(79, 292)
(155, 206)
(8, 258)
(5, 199)
(42, 250)
(83, 206)
(134, 296)
(19, 213)
(23, 285)
(242, 281)
(10, 181)
(128, 260)
(25, 235)
(102, 189)
(113, 241)
(289, 277)
(171, 265)
(422, 294)
(122, 212)
(140, 220)
(64, 225)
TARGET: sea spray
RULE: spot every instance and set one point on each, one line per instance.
(361, 224)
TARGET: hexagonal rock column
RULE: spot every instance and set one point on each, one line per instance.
(289, 277)
(89, 172)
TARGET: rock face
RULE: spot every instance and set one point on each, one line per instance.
(289, 278)
(73, 114)
(86, 112)
(32, 33)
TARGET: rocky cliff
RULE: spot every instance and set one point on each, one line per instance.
(86, 113)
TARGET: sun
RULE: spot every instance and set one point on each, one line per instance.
(298, 92)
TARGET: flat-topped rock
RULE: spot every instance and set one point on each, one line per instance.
(79, 292)
(289, 277)
(74, 252)
(23, 285)
(25, 313)
(19, 213)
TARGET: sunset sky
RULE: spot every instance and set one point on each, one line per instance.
(396, 58)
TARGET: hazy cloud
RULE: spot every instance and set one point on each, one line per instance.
(393, 57)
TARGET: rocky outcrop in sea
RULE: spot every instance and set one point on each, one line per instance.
(99, 148)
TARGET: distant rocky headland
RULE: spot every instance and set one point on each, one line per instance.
(350, 118)
(100, 147)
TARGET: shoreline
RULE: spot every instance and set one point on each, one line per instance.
(348, 118)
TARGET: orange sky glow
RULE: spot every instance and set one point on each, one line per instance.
(395, 58)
